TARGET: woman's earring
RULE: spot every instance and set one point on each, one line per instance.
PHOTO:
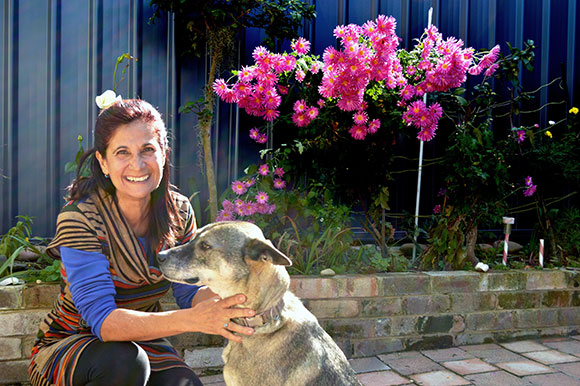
(106, 176)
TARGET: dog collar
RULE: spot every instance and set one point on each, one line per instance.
(258, 320)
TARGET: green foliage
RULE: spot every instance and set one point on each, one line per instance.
(567, 231)
(120, 59)
(197, 19)
(447, 244)
(73, 166)
(311, 253)
(19, 239)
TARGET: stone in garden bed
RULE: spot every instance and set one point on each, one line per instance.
(513, 247)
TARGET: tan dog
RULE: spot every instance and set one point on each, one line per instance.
(288, 347)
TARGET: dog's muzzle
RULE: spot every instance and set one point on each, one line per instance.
(162, 258)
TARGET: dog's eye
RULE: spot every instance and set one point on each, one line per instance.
(204, 246)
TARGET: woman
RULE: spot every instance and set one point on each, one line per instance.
(106, 327)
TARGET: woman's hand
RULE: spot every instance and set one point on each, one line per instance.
(213, 315)
(202, 294)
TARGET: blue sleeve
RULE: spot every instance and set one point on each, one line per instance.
(90, 284)
(184, 294)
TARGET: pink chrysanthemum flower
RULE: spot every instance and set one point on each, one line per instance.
(437, 209)
(360, 117)
(321, 103)
(530, 191)
(220, 87)
(374, 125)
(261, 198)
(427, 133)
(300, 75)
(312, 113)
(300, 120)
(262, 138)
(249, 208)
(271, 114)
(528, 181)
(369, 28)
(301, 46)
(279, 183)
(475, 70)
(225, 215)
(491, 70)
(242, 90)
(228, 205)
(315, 67)
(250, 182)
(358, 132)
(339, 31)
(490, 58)
(264, 169)
(254, 133)
(520, 136)
(407, 92)
(238, 187)
(259, 53)
(246, 74)
(330, 55)
(300, 106)
(279, 172)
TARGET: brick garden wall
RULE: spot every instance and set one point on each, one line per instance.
(366, 315)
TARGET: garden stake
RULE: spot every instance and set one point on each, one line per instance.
(420, 169)
(542, 253)
(507, 226)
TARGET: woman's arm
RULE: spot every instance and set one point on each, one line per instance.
(208, 316)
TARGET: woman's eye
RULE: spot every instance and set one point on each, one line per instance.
(122, 152)
(149, 149)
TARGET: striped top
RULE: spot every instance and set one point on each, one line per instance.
(96, 225)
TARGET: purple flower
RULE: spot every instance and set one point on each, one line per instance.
(530, 191)
(279, 183)
(437, 209)
(531, 187)
(239, 187)
(520, 136)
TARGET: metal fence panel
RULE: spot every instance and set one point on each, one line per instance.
(57, 55)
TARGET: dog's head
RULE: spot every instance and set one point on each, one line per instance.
(221, 255)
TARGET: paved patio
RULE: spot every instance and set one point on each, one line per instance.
(545, 362)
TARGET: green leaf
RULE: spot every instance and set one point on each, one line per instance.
(462, 101)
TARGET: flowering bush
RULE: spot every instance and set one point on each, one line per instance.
(368, 57)
(366, 88)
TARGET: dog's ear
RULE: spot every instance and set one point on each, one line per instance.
(257, 249)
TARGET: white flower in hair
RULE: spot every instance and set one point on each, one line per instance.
(107, 98)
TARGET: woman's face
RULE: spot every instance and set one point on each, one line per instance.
(134, 161)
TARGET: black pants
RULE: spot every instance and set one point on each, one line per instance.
(125, 364)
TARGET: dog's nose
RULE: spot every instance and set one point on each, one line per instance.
(162, 256)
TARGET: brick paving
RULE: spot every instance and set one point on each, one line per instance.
(520, 363)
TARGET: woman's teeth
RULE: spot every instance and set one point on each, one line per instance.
(137, 179)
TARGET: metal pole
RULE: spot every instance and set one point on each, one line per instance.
(421, 143)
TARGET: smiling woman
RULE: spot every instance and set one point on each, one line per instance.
(135, 167)
(106, 326)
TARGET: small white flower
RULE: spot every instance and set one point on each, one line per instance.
(551, 122)
(482, 267)
(107, 98)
